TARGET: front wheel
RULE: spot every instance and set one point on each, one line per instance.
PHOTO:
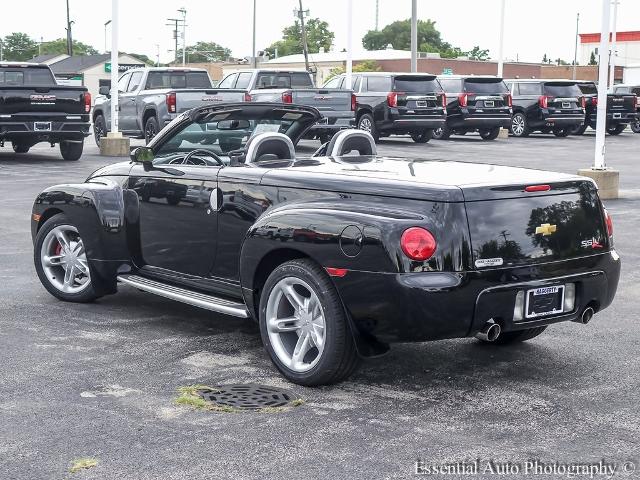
(442, 133)
(99, 129)
(61, 262)
(71, 151)
(20, 147)
(368, 124)
(616, 129)
(489, 133)
(151, 129)
(422, 137)
(304, 326)
(519, 125)
(635, 126)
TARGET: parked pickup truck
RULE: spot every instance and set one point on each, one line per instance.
(337, 106)
(149, 98)
(34, 108)
(621, 109)
(631, 89)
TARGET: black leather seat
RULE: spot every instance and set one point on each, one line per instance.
(349, 140)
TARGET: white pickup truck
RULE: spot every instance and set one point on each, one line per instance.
(337, 106)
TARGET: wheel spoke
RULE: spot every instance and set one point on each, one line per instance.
(280, 325)
(303, 345)
(296, 300)
(62, 238)
(69, 277)
(53, 260)
(82, 267)
(78, 248)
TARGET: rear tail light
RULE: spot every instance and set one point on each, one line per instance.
(354, 102)
(287, 97)
(594, 101)
(443, 98)
(171, 102)
(247, 97)
(418, 243)
(87, 102)
(543, 101)
(537, 188)
(392, 99)
(463, 99)
(336, 272)
(509, 100)
(609, 222)
(635, 101)
(583, 102)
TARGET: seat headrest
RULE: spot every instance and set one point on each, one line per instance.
(346, 141)
(269, 144)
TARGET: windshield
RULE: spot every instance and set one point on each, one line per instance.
(488, 85)
(417, 85)
(26, 76)
(588, 88)
(178, 80)
(562, 90)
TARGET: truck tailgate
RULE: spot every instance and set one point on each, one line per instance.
(330, 102)
(189, 98)
(34, 100)
(621, 103)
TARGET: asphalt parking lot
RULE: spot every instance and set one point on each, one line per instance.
(99, 380)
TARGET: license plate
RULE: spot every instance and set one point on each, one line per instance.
(566, 105)
(42, 126)
(421, 103)
(489, 103)
(544, 301)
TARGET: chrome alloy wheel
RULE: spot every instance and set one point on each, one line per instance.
(365, 124)
(517, 125)
(64, 260)
(295, 324)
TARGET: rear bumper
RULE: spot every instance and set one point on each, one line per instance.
(331, 126)
(479, 121)
(415, 307)
(615, 118)
(396, 122)
(25, 131)
(559, 120)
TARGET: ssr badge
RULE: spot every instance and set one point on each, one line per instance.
(593, 243)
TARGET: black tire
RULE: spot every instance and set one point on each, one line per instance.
(519, 125)
(561, 132)
(173, 200)
(20, 147)
(489, 133)
(422, 137)
(151, 129)
(71, 151)
(635, 126)
(518, 336)
(442, 133)
(617, 129)
(368, 124)
(99, 129)
(339, 357)
(579, 130)
(87, 295)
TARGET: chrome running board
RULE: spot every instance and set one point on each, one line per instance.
(183, 295)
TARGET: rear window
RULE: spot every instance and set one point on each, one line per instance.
(416, 85)
(284, 80)
(588, 88)
(178, 80)
(26, 76)
(562, 90)
(492, 85)
(451, 85)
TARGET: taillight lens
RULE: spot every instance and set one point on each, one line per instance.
(583, 102)
(543, 101)
(354, 102)
(635, 101)
(392, 99)
(594, 101)
(443, 99)
(609, 222)
(247, 97)
(87, 102)
(463, 99)
(287, 97)
(509, 100)
(171, 102)
(418, 243)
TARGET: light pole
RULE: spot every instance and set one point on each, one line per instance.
(114, 67)
(501, 45)
(414, 35)
(105, 35)
(349, 67)
(301, 13)
(575, 51)
(183, 11)
(614, 53)
(253, 43)
(69, 38)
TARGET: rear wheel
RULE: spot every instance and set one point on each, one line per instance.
(20, 147)
(151, 129)
(616, 129)
(61, 262)
(518, 336)
(99, 129)
(635, 126)
(442, 133)
(71, 151)
(561, 132)
(489, 133)
(304, 326)
(366, 123)
(422, 137)
(579, 130)
(519, 125)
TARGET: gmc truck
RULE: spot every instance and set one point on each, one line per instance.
(149, 98)
(34, 109)
(621, 109)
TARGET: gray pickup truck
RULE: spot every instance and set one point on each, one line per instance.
(337, 106)
(149, 98)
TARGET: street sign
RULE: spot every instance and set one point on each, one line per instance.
(122, 67)
(447, 71)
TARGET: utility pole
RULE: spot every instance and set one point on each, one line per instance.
(114, 68)
(349, 69)
(183, 11)
(305, 48)
(175, 34)
(601, 119)
(575, 51)
(253, 44)
(501, 46)
(614, 53)
(69, 37)
(414, 35)
(377, 13)
(105, 35)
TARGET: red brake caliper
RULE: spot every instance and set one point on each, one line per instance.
(58, 249)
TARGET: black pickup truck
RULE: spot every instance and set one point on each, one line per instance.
(34, 108)
(631, 89)
(621, 109)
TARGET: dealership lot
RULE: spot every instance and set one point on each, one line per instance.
(99, 380)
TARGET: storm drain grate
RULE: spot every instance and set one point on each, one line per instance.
(247, 396)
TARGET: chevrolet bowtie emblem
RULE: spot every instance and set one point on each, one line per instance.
(546, 229)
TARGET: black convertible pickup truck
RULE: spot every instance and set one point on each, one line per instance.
(335, 255)
(34, 109)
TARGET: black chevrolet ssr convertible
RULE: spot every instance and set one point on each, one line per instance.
(335, 255)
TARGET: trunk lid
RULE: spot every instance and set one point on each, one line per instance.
(486, 94)
(417, 92)
(563, 95)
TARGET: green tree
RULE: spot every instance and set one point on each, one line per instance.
(19, 46)
(364, 66)
(318, 36)
(592, 59)
(142, 57)
(203, 52)
(59, 46)
(476, 53)
(545, 59)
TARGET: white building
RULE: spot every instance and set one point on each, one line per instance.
(627, 47)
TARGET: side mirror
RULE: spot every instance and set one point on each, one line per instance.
(104, 90)
(143, 155)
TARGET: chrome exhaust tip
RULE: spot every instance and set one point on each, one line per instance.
(587, 315)
(490, 332)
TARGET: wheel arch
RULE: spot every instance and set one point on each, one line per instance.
(149, 111)
(95, 114)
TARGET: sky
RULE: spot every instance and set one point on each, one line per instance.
(533, 27)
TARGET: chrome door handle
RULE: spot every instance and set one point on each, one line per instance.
(213, 200)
